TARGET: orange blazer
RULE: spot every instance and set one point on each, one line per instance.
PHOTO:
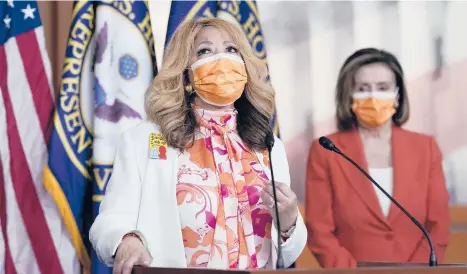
(345, 222)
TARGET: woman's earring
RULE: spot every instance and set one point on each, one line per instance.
(189, 89)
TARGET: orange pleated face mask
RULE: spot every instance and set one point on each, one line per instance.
(375, 108)
(219, 79)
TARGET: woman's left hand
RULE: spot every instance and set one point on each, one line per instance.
(286, 203)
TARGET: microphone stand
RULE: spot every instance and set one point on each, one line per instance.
(280, 260)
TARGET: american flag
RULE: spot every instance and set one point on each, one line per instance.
(33, 238)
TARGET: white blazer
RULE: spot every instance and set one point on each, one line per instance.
(140, 198)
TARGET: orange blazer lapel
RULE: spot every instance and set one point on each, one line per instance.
(404, 162)
(351, 144)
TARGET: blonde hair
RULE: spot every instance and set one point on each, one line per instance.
(346, 119)
(168, 104)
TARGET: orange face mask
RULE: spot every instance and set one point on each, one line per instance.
(220, 79)
(374, 109)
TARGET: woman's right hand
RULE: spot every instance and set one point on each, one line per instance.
(130, 252)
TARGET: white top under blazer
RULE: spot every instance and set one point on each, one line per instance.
(384, 177)
(140, 197)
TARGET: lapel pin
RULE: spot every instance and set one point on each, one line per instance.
(157, 146)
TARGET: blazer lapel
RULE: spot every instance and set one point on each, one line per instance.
(351, 145)
(404, 162)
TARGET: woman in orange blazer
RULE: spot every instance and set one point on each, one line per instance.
(348, 219)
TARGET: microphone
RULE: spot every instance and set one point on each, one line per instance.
(329, 145)
(269, 144)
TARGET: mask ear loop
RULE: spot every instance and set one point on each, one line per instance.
(396, 97)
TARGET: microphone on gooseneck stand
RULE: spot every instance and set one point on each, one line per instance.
(329, 145)
(269, 144)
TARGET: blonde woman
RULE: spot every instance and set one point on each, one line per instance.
(190, 188)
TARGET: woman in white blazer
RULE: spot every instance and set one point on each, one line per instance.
(191, 186)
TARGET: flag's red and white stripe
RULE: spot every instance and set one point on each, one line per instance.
(34, 239)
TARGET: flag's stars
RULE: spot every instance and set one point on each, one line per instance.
(7, 21)
(28, 12)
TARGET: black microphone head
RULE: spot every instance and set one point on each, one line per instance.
(269, 140)
(326, 143)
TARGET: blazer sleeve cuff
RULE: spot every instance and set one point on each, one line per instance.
(108, 249)
(292, 248)
(114, 240)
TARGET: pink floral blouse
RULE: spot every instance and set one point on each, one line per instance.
(224, 222)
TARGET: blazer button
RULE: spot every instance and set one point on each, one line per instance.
(389, 237)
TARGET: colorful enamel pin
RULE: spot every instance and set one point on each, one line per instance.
(157, 146)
